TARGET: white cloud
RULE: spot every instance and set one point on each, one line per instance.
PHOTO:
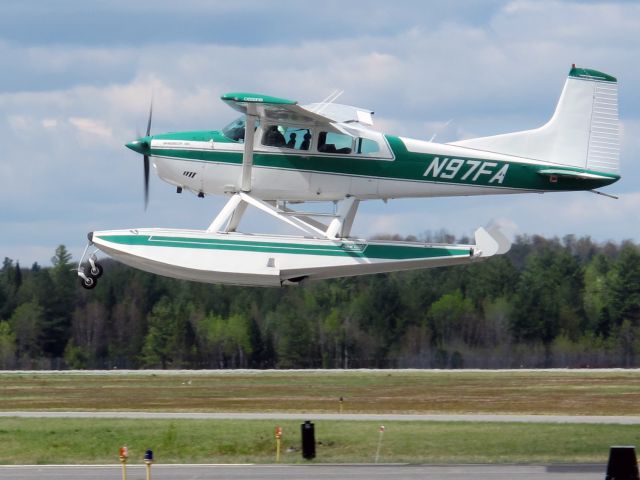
(492, 75)
(19, 122)
(91, 126)
(49, 122)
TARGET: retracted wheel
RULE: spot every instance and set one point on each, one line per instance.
(95, 270)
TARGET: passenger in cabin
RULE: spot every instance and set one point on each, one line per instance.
(292, 140)
(273, 137)
(322, 143)
(306, 141)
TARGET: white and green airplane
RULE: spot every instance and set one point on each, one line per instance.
(279, 154)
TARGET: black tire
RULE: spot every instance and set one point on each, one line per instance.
(89, 284)
(95, 272)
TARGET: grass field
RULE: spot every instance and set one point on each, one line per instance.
(580, 392)
(40, 440)
(60, 441)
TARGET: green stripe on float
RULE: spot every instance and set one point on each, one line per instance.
(388, 252)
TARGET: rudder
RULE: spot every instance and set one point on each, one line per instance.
(583, 131)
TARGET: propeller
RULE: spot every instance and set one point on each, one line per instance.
(146, 160)
(143, 146)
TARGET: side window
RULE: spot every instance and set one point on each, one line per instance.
(287, 137)
(297, 138)
(365, 146)
(329, 142)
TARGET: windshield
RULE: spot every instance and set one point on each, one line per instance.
(235, 130)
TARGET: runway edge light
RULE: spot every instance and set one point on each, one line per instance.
(278, 434)
(123, 454)
(623, 464)
(148, 460)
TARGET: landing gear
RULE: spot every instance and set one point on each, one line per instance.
(90, 272)
(88, 282)
(95, 269)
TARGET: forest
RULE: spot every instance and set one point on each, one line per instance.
(568, 302)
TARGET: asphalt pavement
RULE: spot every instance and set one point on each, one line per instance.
(592, 419)
(306, 472)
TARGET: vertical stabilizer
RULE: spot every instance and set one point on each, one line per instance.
(583, 131)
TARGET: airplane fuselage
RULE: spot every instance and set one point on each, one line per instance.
(207, 163)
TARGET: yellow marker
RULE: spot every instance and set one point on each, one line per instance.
(124, 455)
(278, 440)
(278, 450)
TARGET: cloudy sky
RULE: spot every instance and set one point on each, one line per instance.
(78, 77)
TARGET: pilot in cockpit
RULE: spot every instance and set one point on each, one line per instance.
(273, 137)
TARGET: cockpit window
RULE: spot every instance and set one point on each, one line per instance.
(235, 130)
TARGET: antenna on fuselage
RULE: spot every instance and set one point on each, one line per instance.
(435, 134)
(328, 101)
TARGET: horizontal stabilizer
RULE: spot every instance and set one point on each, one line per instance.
(555, 172)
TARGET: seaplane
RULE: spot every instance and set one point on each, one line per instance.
(279, 154)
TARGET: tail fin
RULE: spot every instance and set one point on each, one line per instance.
(583, 131)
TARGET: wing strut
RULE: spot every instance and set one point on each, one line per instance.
(340, 227)
(247, 157)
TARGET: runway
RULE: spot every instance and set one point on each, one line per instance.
(308, 472)
(316, 471)
(590, 419)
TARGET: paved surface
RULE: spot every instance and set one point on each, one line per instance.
(594, 419)
(307, 472)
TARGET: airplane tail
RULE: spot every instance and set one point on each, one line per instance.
(583, 131)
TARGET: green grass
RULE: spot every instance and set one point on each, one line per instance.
(41, 441)
(61, 441)
(547, 392)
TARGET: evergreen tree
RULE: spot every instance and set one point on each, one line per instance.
(8, 289)
(26, 324)
(58, 304)
(624, 281)
(158, 349)
(7, 346)
(548, 297)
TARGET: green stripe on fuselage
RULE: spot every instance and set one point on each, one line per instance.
(348, 249)
(407, 165)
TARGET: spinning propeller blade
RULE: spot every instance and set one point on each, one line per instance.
(146, 160)
(149, 121)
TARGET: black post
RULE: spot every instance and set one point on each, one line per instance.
(308, 440)
(622, 464)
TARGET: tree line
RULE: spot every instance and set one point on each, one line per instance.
(547, 303)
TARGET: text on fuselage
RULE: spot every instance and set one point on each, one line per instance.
(466, 170)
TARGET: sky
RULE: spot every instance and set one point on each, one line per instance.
(78, 78)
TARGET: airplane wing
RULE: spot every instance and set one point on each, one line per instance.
(270, 109)
(274, 109)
